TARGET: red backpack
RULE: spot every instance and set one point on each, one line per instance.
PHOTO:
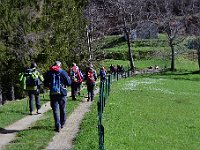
(75, 75)
(90, 76)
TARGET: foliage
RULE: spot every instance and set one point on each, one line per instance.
(41, 31)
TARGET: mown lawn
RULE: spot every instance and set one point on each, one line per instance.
(148, 112)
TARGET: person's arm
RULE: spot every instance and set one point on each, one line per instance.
(67, 81)
(95, 75)
(47, 80)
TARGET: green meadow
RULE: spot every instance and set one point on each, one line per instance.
(148, 112)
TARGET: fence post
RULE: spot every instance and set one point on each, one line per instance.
(109, 80)
(100, 112)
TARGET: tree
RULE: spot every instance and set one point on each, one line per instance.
(41, 31)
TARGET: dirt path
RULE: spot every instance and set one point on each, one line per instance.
(9, 133)
(64, 139)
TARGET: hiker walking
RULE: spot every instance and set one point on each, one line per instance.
(102, 73)
(91, 77)
(80, 83)
(76, 80)
(31, 80)
(57, 81)
(113, 69)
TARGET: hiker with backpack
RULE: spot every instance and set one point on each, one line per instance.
(31, 80)
(91, 77)
(102, 73)
(80, 82)
(76, 80)
(57, 81)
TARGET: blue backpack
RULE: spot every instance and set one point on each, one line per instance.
(103, 74)
(55, 86)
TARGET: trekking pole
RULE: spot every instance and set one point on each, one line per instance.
(27, 102)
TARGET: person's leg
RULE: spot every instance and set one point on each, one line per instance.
(31, 101)
(37, 100)
(90, 87)
(73, 91)
(88, 90)
(79, 89)
(55, 108)
(62, 105)
(75, 88)
(92, 92)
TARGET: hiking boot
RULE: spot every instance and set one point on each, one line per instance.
(31, 113)
(62, 125)
(88, 99)
(38, 112)
(57, 129)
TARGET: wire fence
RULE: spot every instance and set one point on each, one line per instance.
(104, 92)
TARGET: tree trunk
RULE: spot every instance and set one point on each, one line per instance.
(130, 52)
(198, 53)
(11, 92)
(89, 42)
(1, 97)
(172, 55)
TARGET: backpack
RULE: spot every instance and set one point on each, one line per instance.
(55, 85)
(73, 74)
(103, 73)
(90, 76)
(30, 78)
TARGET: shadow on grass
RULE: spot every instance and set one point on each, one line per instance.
(180, 75)
(16, 112)
(114, 43)
(49, 127)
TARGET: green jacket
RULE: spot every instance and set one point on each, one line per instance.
(36, 74)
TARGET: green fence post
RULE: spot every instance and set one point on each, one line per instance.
(100, 112)
(109, 80)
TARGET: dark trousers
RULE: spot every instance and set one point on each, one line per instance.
(34, 94)
(79, 88)
(90, 89)
(74, 87)
(58, 105)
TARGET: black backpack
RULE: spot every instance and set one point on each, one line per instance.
(31, 77)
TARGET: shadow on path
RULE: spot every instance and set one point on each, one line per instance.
(5, 131)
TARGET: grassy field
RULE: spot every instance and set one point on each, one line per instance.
(15, 110)
(181, 64)
(154, 112)
(118, 44)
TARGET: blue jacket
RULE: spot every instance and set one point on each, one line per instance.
(64, 79)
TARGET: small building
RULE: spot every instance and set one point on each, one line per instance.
(146, 30)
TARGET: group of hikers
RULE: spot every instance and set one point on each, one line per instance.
(57, 80)
(119, 69)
